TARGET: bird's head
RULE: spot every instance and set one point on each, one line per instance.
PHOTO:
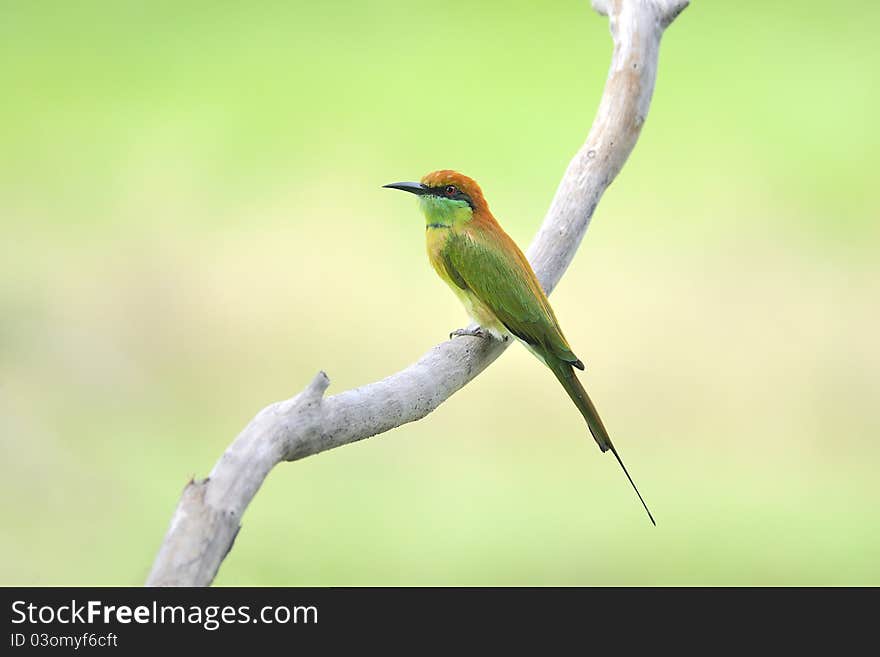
(446, 196)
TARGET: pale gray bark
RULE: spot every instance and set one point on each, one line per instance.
(208, 515)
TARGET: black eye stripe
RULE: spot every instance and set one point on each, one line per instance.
(458, 196)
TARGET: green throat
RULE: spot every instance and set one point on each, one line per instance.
(443, 212)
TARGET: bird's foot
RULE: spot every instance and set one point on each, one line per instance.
(475, 332)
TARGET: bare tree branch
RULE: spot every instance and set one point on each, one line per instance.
(207, 518)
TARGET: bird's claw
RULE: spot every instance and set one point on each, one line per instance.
(475, 332)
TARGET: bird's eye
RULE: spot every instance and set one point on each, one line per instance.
(450, 190)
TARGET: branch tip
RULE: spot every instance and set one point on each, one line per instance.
(668, 10)
(665, 10)
(600, 7)
(319, 385)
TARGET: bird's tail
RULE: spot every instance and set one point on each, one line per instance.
(565, 373)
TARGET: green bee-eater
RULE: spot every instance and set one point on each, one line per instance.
(496, 284)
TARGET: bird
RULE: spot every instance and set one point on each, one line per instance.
(487, 271)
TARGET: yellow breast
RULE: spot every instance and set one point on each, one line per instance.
(478, 311)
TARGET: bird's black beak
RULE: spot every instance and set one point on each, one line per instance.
(412, 187)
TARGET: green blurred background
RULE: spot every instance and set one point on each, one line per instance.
(193, 225)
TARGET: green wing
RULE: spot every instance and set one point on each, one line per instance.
(494, 269)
